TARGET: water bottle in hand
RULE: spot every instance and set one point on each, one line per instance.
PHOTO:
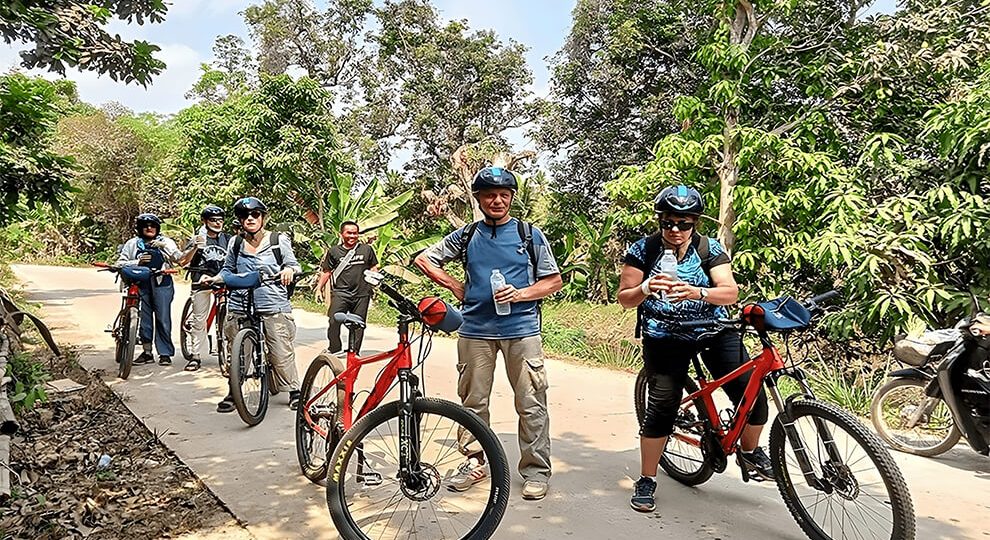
(498, 281)
(668, 267)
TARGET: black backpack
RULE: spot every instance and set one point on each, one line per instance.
(273, 239)
(653, 252)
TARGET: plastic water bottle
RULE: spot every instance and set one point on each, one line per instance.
(668, 267)
(498, 281)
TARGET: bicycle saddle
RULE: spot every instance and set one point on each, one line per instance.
(349, 319)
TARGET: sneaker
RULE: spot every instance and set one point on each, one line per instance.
(534, 490)
(757, 464)
(164, 360)
(294, 399)
(643, 499)
(468, 474)
(144, 358)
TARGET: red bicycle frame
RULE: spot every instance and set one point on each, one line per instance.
(767, 362)
(214, 307)
(400, 358)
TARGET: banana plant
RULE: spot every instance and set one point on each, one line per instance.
(395, 253)
(588, 269)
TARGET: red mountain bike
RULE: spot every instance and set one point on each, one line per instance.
(125, 326)
(835, 476)
(214, 322)
(388, 470)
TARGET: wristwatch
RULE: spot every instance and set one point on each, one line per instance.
(704, 294)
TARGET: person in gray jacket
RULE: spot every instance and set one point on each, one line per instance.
(156, 251)
(255, 249)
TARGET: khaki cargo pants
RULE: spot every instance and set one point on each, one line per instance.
(523, 359)
(280, 332)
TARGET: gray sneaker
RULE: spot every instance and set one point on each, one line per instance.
(757, 464)
(643, 499)
(468, 474)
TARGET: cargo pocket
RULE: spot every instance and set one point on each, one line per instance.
(537, 374)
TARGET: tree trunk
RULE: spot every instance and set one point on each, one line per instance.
(742, 30)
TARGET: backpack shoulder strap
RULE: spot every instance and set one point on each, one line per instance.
(238, 242)
(526, 235)
(466, 236)
(274, 239)
(702, 244)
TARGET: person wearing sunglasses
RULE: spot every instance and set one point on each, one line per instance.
(703, 287)
(207, 249)
(156, 251)
(256, 249)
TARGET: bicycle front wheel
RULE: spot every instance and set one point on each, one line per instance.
(857, 490)
(910, 421)
(126, 341)
(185, 331)
(248, 383)
(312, 448)
(370, 497)
(682, 459)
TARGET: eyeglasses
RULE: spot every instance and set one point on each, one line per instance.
(680, 225)
(256, 214)
(219, 219)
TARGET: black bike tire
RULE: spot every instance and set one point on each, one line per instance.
(498, 465)
(237, 358)
(314, 473)
(184, 334)
(902, 511)
(223, 360)
(641, 392)
(876, 416)
(127, 341)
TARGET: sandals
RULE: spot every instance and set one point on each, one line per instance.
(193, 364)
(227, 405)
(294, 399)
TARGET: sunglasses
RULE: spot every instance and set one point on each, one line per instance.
(256, 214)
(680, 225)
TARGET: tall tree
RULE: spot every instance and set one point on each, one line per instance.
(71, 33)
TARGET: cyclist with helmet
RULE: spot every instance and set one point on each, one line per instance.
(521, 254)
(704, 285)
(152, 249)
(207, 249)
(270, 254)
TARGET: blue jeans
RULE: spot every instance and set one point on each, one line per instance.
(156, 318)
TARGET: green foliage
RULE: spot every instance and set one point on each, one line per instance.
(72, 33)
(30, 170)
(29, 378)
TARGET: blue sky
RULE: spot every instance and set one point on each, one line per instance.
(186, 38)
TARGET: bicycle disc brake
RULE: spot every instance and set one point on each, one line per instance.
(711, 448)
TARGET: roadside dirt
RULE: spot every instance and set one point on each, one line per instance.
(60, 491)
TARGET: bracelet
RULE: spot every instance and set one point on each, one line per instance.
(645, 288)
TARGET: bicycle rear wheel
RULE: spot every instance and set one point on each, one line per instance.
(896, 405)
(682, 458)
(223, 359)
(312, 448)
(248, 382)
(185, 331)
(369, 498)
(861, 492)
(126, 341)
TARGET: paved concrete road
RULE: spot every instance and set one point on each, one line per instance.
(595, 453)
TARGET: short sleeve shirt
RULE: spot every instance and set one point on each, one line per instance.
(351, 281)
(659, 314)
(489, 248)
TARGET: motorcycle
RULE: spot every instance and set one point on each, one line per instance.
(943, 393)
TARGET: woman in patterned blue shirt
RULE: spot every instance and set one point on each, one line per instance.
(704, 285)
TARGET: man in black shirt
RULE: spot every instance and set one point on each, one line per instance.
(344, 265)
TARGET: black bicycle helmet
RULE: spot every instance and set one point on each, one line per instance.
(211, 211)
(679, 200)
(244, 206)
(494, 177)
(143, 220)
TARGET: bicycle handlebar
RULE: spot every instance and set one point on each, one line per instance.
(812, 305)
(104, 267)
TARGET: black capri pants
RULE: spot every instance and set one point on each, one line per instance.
(668, 361)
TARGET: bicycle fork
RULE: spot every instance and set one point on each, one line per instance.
(786, 418)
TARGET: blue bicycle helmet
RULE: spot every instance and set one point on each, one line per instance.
(212, 211)
(244, 206)
(145, 219)
(679, 200)
(494, 177)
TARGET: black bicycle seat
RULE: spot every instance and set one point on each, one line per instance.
(349, 319)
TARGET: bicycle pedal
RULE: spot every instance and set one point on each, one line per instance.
(369, 479)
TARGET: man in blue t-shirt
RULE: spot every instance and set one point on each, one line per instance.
(522, 255)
